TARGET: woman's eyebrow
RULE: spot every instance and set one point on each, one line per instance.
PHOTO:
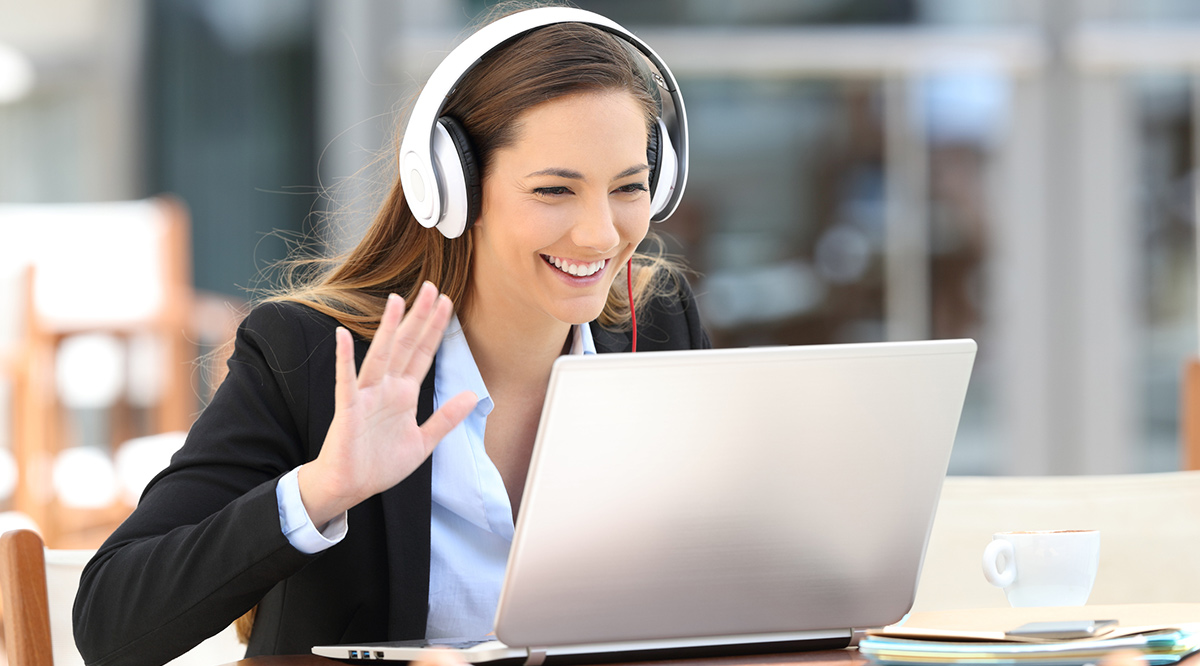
(575, 175)
(637, 168)
(556, 171)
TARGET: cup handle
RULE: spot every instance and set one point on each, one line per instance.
(994, 551)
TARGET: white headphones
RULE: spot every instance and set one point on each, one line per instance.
(438, 169)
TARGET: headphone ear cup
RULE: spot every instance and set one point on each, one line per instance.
(654, 154)
(459, 175)
(664, 170)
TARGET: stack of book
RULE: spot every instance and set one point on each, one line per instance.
(1154, 634)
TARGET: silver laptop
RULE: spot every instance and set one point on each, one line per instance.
(725, 501)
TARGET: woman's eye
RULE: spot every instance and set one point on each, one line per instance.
(551, 191)
(633, 187)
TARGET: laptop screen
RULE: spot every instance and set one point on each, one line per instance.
(731, 492)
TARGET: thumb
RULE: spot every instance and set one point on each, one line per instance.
(447, 417)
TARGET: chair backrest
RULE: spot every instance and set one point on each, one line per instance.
(1149, 533)
(115, 271)
(24, 598)
(63, 569)
(100, 264)
(37, 589)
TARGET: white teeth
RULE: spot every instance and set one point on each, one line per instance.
(578, 270)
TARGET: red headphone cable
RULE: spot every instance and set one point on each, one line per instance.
(632, 314)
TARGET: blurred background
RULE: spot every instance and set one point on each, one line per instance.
(1016, 171)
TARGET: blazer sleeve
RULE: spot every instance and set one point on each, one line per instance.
(205, 543)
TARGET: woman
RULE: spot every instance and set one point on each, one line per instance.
(307, 486)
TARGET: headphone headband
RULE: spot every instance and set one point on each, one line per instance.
(424, 187)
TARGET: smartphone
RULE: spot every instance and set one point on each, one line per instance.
(1063, 630)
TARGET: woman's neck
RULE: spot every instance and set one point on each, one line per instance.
(510, 352)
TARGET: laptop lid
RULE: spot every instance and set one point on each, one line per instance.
(745, 500)
(740, 492)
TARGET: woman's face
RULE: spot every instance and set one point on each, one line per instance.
(564, 207)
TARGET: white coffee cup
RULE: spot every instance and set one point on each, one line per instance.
(1052, 568)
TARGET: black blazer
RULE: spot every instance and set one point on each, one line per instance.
(204, 544)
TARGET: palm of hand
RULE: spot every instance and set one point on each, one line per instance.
(388, 444)
(374, 441)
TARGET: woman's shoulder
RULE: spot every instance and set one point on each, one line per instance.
(285, 329)
(284, 315)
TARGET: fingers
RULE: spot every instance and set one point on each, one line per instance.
(415, 344)
(447, 417)
(398, 335)
(414, 358)
(376, 361)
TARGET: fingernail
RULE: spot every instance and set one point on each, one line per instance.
(427, 286)
(392, 297)
(443, 297)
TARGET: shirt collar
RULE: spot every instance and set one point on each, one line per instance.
(457, 372)
(582, 342)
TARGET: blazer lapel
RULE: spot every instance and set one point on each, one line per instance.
(406, 511)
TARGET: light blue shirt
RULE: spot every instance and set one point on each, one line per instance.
(471, 526)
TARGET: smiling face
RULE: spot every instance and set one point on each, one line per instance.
(564, 207)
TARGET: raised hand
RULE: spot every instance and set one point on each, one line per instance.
(374, 441)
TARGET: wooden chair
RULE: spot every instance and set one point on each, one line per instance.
(1189, 414)
(23, 594)
(121, 269)
(37, 589)
(1149, 531)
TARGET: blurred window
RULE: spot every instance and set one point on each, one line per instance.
(231, 99)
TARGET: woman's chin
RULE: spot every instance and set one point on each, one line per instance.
(579, 310)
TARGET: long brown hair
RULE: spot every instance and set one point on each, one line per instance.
(397, 254)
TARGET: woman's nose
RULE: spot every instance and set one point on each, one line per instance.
(596, 227)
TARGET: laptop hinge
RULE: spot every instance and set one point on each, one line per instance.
(857, 635)
(536, 657)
